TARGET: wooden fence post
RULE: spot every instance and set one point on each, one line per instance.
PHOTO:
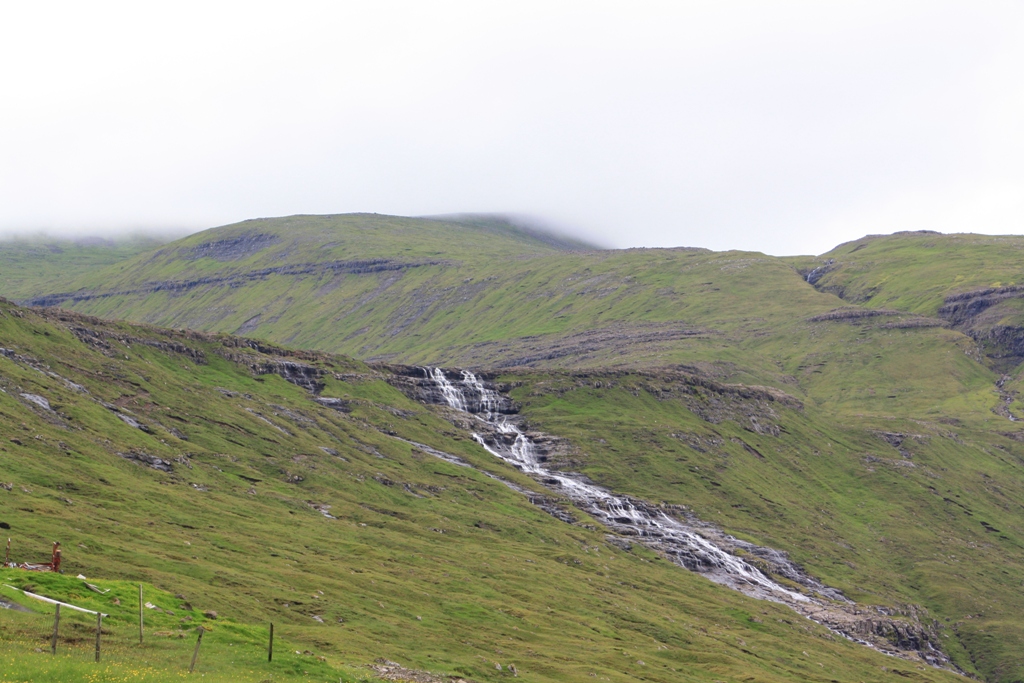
(270, 647)
(140, 614)
(99, 628)
(56, 624)
(195, 654)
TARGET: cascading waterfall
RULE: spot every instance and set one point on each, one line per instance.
(648, 525)
(452, 395)
(706, 551)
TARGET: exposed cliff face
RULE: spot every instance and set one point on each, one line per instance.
(961, 308)
(993, 317)
(301, 374)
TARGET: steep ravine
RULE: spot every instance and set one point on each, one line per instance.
(493, 421)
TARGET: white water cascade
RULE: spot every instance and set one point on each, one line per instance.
(452, 395)
(646, 524)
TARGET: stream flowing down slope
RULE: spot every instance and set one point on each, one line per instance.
(709, 551)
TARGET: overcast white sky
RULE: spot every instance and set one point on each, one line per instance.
(785, 127)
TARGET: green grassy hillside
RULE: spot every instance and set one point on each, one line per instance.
(916, 271)
(189, 463)
(29, 265)
(970, 281)
(893, 471)
(893, 511)
(430, 291)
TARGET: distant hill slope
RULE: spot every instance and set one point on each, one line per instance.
(305, 489)
(975, 282)
(519, 227)
(260, 244)
(29, 265)
(429, 291)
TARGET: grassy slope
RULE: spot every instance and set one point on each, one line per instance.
(31, 265)
(427, 563)
(940, 526)
(231, 650)
(916, 271)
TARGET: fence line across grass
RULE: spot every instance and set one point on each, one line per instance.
(51, 632)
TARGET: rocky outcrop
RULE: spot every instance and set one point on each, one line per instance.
(852, 314)
(892, 319)
(339, 404)
(38, 400)
(993, 318)
(575, 348)
(148, 460)
(231, 248)
(392, 671)
(292, 365)
(305, 376)
(309, 377)
(103, 340)
(534, 350)
(960, 308)
(893, 631)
